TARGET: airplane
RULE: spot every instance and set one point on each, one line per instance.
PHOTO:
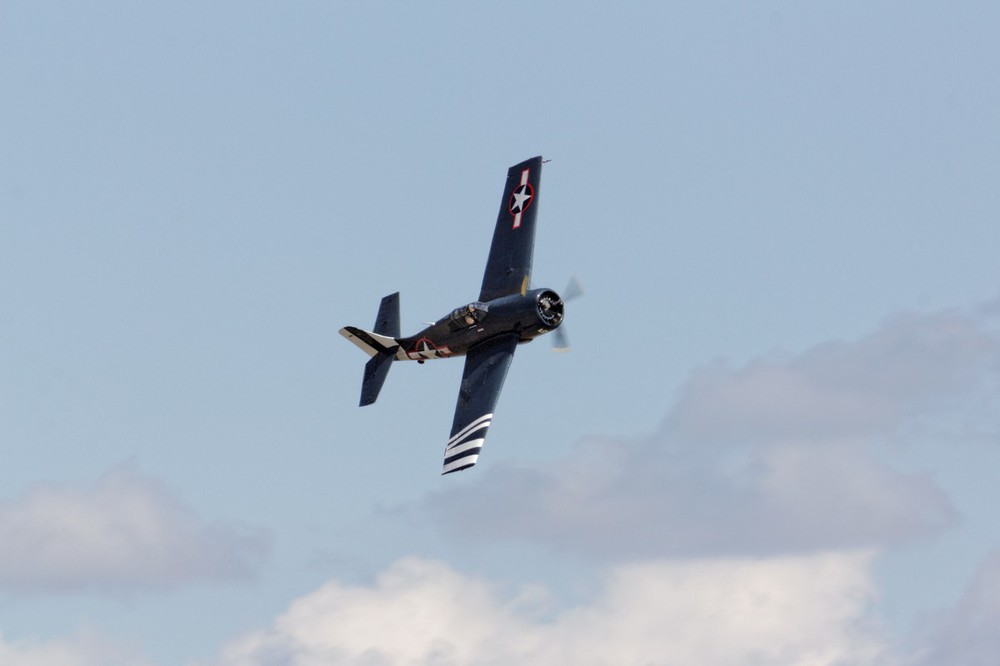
(486, 331)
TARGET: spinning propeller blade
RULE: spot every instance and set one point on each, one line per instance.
(560, 342)
(573, 290)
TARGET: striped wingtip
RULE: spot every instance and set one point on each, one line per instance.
(463, 448)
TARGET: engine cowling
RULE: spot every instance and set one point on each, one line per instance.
(536, 312)
(549, 307)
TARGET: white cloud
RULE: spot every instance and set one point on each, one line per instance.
(125, 532)
(787, 611)
(779, 456)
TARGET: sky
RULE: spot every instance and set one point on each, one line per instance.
(774, 441)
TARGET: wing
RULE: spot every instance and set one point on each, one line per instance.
(485, 369)
(508, 269)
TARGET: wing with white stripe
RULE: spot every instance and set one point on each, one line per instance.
(482, 380)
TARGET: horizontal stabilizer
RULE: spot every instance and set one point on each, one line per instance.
(387, 322)
(376, 370)
(380, 345)
(370, 343)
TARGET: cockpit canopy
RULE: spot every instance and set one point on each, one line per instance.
(468, 316)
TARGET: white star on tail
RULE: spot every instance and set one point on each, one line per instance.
(521, 198)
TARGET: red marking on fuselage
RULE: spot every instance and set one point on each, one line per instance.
(425, 348)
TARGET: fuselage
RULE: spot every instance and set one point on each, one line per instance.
(527, 315)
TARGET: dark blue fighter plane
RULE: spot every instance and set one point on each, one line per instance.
(486, 331)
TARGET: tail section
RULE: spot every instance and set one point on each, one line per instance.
(376, 370)
(379, 344)
(387, 322)
(369, 342)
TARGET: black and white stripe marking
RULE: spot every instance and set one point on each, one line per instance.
(463, 448)
(370, 343)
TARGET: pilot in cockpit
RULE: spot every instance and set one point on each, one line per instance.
(469, 315)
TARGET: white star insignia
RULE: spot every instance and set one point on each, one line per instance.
(521, 197)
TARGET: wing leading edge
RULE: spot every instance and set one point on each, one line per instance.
(508, 269)
(482, 380)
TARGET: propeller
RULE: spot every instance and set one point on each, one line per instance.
(573, 290)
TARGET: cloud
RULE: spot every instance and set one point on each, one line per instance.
(628, 499)
(793, 610)
(125, 532)
(912, 365)
(779, 456)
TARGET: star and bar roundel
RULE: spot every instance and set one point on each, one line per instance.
(521, 198)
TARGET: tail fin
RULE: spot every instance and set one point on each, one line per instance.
(380, 345)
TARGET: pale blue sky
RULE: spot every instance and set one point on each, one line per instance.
(194, 197)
